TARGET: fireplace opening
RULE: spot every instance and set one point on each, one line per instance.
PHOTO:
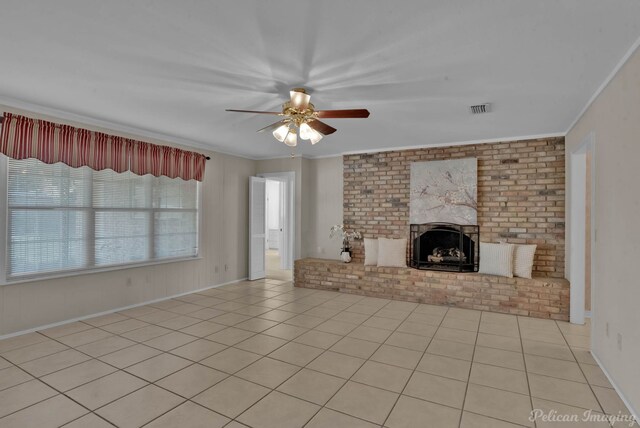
(445, 246)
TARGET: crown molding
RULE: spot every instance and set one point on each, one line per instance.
(427, 146)
(145, 133)
(634, 47)
(449, 144)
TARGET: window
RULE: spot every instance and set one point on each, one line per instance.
(64, 219)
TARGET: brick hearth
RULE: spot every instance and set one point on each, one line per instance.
(540, 297)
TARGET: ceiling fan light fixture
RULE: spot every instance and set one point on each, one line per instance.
(299, 99)
(281, 133)
(291, 139)
(298, 113)
(306, 131)
(316, 137)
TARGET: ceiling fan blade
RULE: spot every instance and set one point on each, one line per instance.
(343, 114)
(321, 127)
(299, 99)
(254, 111)
(273, 126)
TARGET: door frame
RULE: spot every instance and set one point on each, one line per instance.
(287, 250)
(257, 274)
(577, 245)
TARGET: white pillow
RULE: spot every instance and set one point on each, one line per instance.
(392, 252)
(370, 252)
(523, 260)
(496, 259)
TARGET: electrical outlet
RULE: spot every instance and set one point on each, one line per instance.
(619, 341)
(606, 329)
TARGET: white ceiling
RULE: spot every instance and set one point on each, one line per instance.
(170, 68)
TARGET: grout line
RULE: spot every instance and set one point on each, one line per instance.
(244, 291)
(473, 355)
(417, 364)
(157, 380)
(38, 378)
(583, 374)
(524, 360)
(304, 367)
(358, 369)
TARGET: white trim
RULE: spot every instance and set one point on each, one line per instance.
(89, 121)
(460, 143)
(577, 244)
(257, 201)
(606, 82)
(634, 412)
(4, 213)
(338, 155)
(285, 157)
(89, 266)
(577, 216)
(289, 227)
(187, 143)
(110, 311)
(428, 146)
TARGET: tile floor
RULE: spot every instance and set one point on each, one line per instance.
(272, 262)
(266, 355)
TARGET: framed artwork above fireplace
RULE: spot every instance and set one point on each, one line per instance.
(444, 191)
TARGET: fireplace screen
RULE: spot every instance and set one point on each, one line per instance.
(445, 246)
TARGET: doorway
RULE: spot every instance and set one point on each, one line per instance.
(276, 266)
(272, 219)
(583, 235)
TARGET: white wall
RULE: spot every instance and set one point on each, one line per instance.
(223, 242)
(614, 118)
(322, 202)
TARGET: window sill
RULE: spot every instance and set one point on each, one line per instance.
(67, 274)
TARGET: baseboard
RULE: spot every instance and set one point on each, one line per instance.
(110, 311)
(634, 412)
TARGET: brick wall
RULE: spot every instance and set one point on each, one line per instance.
(521, 188)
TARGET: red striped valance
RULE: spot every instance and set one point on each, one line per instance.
(23, 138)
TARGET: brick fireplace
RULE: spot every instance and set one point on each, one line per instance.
(521, 194)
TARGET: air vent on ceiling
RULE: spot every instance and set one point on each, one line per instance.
(480, 108)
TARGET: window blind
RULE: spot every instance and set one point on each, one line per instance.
(64, 219)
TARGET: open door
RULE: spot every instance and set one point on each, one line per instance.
(284, 230)
(257, 227)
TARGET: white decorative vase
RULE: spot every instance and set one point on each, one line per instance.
(345, 256)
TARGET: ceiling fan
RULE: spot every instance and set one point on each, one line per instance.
(301, 118)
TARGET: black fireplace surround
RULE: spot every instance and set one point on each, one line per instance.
(445, 247)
